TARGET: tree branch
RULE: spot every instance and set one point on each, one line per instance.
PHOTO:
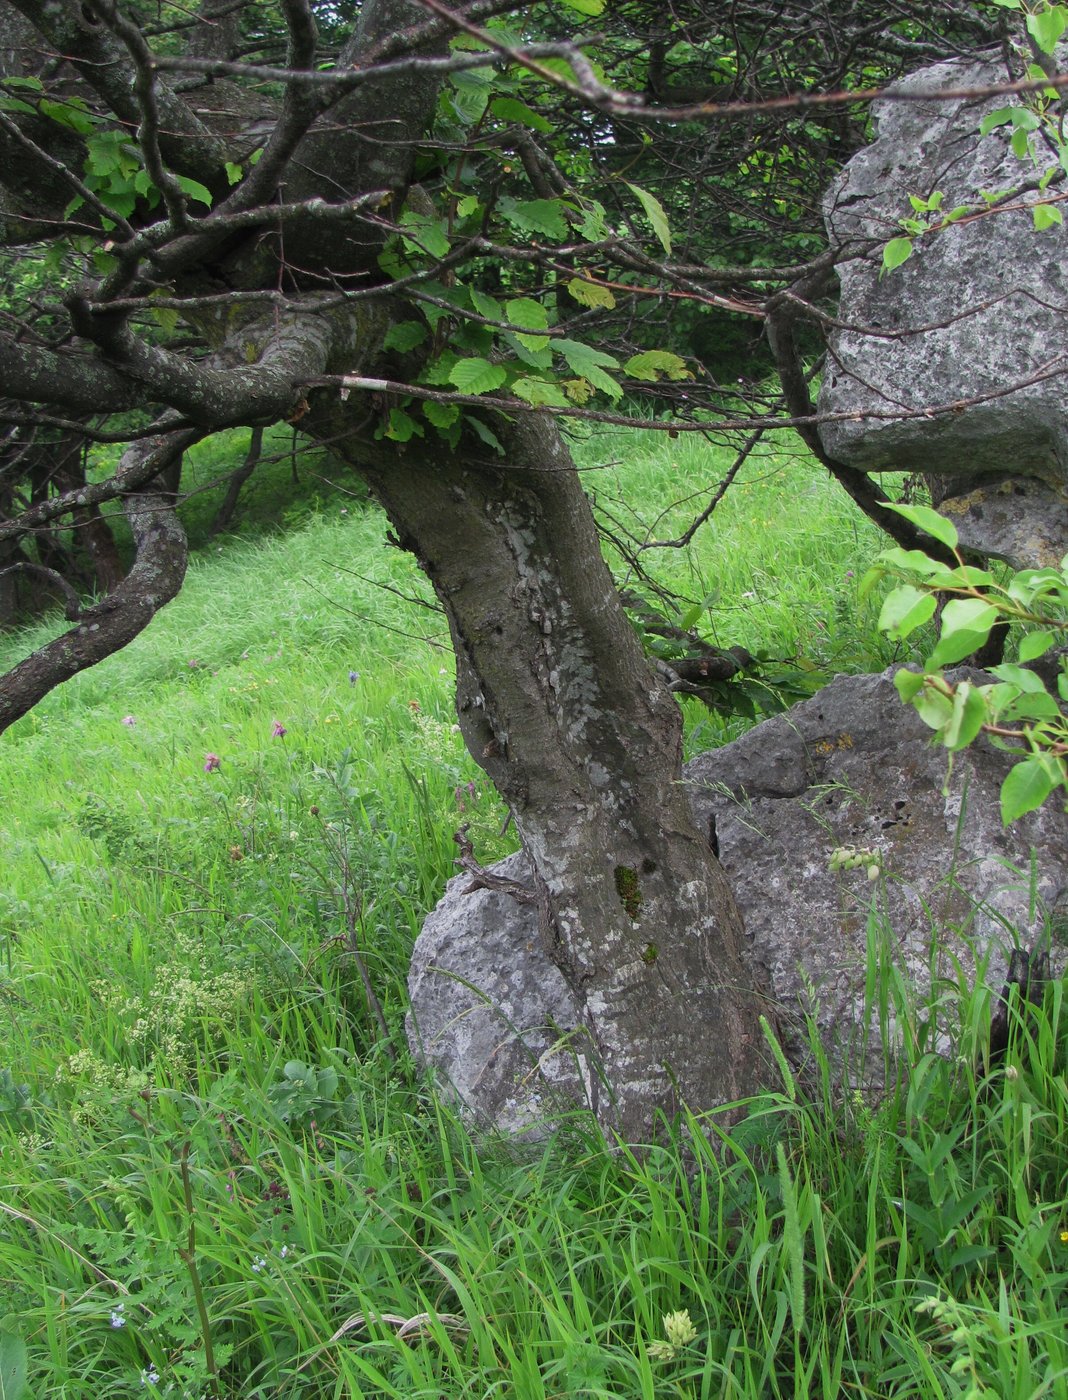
(155, 578)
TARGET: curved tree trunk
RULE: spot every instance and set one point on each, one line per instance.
(558, 706)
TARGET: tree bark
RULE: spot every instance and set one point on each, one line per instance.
(558, 706)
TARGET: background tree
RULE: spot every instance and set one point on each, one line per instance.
(420, 235)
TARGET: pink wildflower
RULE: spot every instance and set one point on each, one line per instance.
(212, 763)
(278, 731)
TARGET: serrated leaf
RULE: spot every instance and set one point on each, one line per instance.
(897, 251)
(442, 415)
(486, 306)
(194, 189)
(651, 365)
(404, 336)
(591, 293)
(905, 609)
(544, 216)
(1046, 216)
(510, 109)
(472, 375)
(438, 371)
(1026, 787)
(527, 313)
(654, 212)
(488, 436)
(424, 234)
(928, 520)
(590, 364)
(470, 204)
(234, 172)
(591, 223)
(579, 391)
(71, 114)
(537, 392)
(402, 426)
(165, 317)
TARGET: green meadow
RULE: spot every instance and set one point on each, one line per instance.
(221, 1172)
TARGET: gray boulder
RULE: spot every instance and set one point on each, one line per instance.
(851, 767)
(973, 324)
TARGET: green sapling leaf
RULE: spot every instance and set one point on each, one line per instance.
(967, 719)
(905, 609)
(1025, 788)
(928, 520)
(897, 251)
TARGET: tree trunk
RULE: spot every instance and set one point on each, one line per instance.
(558, 706)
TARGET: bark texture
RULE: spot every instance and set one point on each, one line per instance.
(557, 704)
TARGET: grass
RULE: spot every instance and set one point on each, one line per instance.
(219, 1176)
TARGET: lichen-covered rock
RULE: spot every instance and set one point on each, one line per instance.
(974, 324)
(852, 767)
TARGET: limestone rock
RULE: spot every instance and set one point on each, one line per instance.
(973, 324)
(852, 766)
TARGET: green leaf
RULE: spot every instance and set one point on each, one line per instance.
(591, 223)
(527, 313)
(486, 306)
(1046, 216)
(539, 391)
(905, 609)
(425, 234)
(1047, 26)
(908, 684)
(476, 376)
(593, 8)
(654, 212)
(510, 109)
(966, 624)
(967, 719)
(897, 251)
(1018, 676)
(13, 1366)
(72, 114)
(1036, 644)
(928, 520)
(166, 318)
(234, 172)
(651, 365)
(404, 336)
(1026, 786)
(934, 708)
(488, 436)
(590, 364)
(544, 216)
(591, 293)
(402, 426)
(442, 415)
(1001, 117)
(194, 189)
(1020, 144)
